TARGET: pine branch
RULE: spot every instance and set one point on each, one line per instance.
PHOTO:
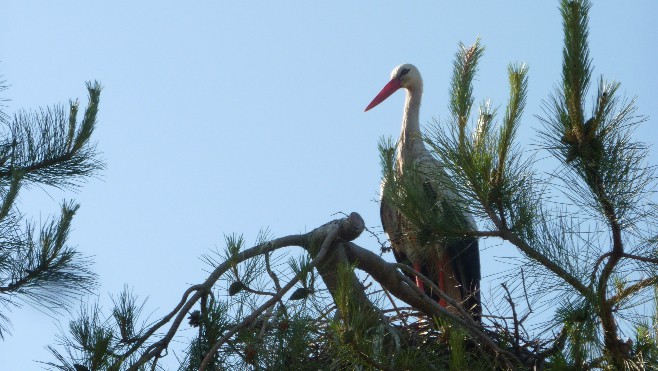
(465, 68)
(546, 262)
(518, 80)
(47, 273)
(47, 148)
(41, 270)
(577, 64)
(137, 351)
(604, 167)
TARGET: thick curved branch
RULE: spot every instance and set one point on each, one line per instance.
(333, 230)
(345, 229)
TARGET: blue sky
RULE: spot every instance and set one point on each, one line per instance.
(222, 117)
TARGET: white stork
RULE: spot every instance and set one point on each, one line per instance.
(455, 266)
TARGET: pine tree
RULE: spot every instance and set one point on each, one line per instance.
(586, 232)
(48, 147)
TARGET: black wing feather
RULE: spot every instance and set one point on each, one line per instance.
(465, 259)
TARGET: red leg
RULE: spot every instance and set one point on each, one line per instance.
(442, 284)
(419, 282)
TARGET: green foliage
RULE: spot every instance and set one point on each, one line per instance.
(459, 357)
(358, 330)
(576, 61)
(461, 86)
(50, 147)
(126, 314)
(606, 175)
(284, 337)
(303, 268)
(97, 342)
(212, 323)
(45, 147)
(646, 345)
(429, 219)
(485, 167)
(50, 272)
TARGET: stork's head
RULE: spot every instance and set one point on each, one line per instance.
(403, 76)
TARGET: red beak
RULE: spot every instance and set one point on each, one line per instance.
(389, 89)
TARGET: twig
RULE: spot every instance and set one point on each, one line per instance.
(257, 292)
(395, 307)
(596, 265)
(266, 320)
(273, 276)
(140, 341)
(525, 292)
(640, 258)
(370, 361)
(624, 255)
(514, 318)
(558, 345)
(633, 289)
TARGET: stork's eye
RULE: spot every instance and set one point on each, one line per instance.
(404, 71)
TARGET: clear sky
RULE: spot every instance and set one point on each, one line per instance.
(221, 117)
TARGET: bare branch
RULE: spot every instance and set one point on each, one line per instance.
(514, 318)
(154, 350)
(329, 239)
